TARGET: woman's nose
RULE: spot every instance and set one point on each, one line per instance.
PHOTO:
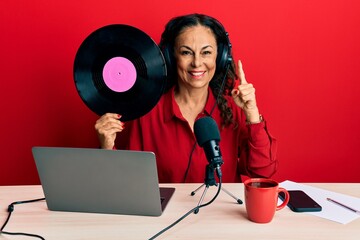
(196, 62)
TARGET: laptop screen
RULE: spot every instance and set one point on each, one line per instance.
(100, 181)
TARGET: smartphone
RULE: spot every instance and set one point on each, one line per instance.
(301, 202)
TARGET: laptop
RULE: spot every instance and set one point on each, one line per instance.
(101, 181)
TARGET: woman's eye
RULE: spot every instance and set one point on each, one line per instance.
(185, 53)
(207, 53)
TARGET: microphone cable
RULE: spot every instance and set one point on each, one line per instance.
(10, 209)
(189, 212)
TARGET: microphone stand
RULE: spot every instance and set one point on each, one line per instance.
(210, 181)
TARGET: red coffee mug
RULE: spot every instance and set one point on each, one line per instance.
(261, 197)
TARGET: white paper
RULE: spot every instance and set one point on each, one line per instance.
(329, 210)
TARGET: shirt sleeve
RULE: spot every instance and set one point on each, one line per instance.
(257, 151)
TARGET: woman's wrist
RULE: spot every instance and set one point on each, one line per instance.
(259, 120)
(253, 116)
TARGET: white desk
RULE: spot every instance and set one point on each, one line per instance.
(223, 219)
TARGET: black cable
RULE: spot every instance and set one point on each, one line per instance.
(189, 162)
(11, 208)
(188, 213)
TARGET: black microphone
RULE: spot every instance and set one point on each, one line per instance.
(208, 137)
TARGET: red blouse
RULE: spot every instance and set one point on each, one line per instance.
(248, 149)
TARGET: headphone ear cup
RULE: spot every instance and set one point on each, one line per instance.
(169, 59)
(220, 60)
(170, 65)
(224, 55)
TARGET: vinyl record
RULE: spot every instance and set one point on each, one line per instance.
(120, 69)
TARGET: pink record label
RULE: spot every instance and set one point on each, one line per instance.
(119, 74)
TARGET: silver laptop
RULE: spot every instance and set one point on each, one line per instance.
(101, 181)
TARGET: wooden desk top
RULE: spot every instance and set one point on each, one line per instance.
(223, 219)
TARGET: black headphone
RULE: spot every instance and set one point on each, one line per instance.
(223, 58)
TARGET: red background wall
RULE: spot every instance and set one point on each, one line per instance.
(302, 56)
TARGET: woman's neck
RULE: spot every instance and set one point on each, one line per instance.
(191, 102)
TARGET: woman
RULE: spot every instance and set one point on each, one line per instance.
(196, 90)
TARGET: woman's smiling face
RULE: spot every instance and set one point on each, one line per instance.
(195, 53)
